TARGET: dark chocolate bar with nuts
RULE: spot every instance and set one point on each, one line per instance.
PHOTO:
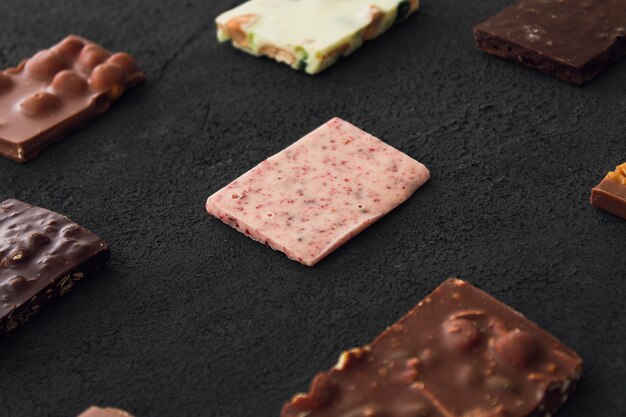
(42, 255)
(458, 353)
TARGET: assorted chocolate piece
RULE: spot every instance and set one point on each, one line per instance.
(104, 412)
(573, 40)
(610, 194)
(42, 255)
(311, 198)
(58, 90)
(309, 35)
(459, 352)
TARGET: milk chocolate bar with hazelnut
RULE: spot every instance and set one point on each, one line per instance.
(42, 255)
(610, 194)
(58, 90)
(458, 353)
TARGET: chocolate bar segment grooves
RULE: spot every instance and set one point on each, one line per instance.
(58, 90)
(459, 352)
(42, 255)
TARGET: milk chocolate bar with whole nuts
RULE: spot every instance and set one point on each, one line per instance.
(458, 353)
(42, 255)
(58, 90)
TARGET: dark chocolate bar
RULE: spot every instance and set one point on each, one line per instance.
(42, 255)
(573, 40)
(58, 90)
(458, 353)
(610, 194)
(104, 412)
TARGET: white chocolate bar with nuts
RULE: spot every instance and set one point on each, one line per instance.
(309, 35)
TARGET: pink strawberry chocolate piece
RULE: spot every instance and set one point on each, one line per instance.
(317, 194)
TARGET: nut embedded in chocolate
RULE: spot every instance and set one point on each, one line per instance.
(460, 333)
(517, 348)
(69, 83)
(44, 64)
(41, 105)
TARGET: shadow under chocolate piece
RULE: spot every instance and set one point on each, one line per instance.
(573, 40)
(610, 194)
(42, 255)
(58, 90)
(458, 353)
(104, 412)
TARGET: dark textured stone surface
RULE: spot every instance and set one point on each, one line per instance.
(191, 318)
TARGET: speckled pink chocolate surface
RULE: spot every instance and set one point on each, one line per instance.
(312, 197)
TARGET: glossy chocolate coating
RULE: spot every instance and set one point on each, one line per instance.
(573, 40)
(42, 254)
(460, 352)
(610, 195)
(104, 412)
(58, 90)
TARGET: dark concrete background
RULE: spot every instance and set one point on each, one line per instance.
(191, 318)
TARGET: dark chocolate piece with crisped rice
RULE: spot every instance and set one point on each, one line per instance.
(42, 255)
(458, 353)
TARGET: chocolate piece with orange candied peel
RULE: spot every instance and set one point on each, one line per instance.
(58, 90)
(610, 194)
(459, 352)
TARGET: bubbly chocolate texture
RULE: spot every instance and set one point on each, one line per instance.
(573, 40)
(58, 90)
(42, 255)
(458, 353)
(104, 412)
(610, 194)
